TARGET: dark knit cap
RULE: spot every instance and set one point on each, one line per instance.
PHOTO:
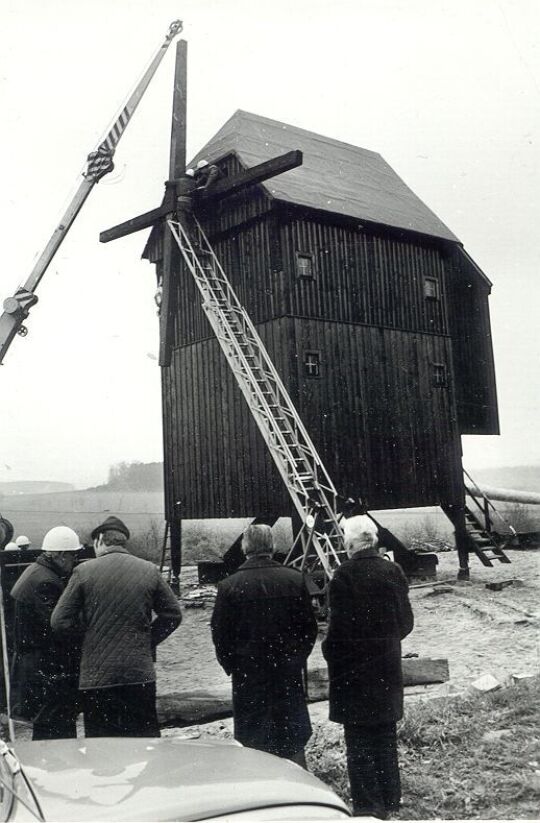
(112, 523)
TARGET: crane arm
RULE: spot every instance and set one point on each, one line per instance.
(99, 163)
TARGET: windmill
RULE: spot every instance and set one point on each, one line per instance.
(352, 319)
(319, 542)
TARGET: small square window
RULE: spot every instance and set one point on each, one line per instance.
(431, 288)
(305, 266)
(312, 364)
(440, 379)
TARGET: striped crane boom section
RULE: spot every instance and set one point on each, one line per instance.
(99, 163)
(117, 130)
(110, 141)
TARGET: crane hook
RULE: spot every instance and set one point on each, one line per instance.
(175, 28)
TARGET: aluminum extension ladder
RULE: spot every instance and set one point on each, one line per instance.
(320, 539)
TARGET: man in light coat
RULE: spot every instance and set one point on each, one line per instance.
(263, 628)
(111, 599)
(370, 614)
(44, 671)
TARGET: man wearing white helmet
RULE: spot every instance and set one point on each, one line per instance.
(206, 174)
(23, 542)
(44, 672)
(370, 614)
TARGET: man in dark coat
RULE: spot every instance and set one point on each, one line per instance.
(370, 614)
(111, 599)
(264, 628)
(44, 671)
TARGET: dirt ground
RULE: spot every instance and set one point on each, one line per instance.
(480, 631)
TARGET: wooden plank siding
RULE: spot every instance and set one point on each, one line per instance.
(223, 466)
(363, 278)
(384, 429)
(358, 278)
(472, 349)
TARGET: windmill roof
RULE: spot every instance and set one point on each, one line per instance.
(335, 177)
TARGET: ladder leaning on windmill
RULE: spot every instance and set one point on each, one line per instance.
(310, 487)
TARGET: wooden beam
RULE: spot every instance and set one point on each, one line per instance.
(270, 168)
(177, 155)
(189, 707)
(223, 188)
(142, 221)
(416, 671)
(177, 166)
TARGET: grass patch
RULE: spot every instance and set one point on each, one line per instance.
(474, 757)
(425, 535)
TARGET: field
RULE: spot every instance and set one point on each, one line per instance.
(34, 514)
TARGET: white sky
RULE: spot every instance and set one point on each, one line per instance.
(447, 92)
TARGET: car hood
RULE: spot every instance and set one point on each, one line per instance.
(161, 779)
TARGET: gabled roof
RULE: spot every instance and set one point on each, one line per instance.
(335, 177)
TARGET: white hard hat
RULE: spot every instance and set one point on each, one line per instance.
(11, 547)
(202, 164)
(190, 172)
(61, 539)
(22, 540)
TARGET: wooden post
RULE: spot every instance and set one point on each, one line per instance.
(176, 547)
(5, 659)
(487, 518)
(456, 514)
(177, 156)
(177, 167)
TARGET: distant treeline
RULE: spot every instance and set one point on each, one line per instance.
(135, 476)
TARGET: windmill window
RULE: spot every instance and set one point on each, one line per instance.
(312, 364)
(431, 288)
(305, 266)
(440, 378)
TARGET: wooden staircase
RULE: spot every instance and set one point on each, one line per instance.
(487, 544)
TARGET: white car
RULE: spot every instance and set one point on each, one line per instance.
(120, 779)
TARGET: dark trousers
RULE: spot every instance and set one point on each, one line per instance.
(57, 717)
(373, 768)
(121, 711)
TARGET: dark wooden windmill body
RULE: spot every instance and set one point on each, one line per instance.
(374, 315)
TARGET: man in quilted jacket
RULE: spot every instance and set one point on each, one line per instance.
(112, 599)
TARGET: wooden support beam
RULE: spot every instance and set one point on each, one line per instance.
(177, 166)
(416, 671)
(257, 174)
(223, 188)
(189, 707)
(177, 154)
(142, 221)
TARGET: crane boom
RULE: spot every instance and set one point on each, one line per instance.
(99, 163)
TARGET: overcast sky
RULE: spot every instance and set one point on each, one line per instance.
(447, 92)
